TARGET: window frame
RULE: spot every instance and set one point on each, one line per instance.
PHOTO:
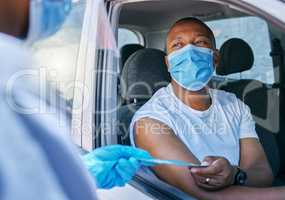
(82, 117)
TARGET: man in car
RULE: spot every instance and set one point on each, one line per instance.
(189, 121)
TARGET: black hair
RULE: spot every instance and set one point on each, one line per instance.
(198, 21)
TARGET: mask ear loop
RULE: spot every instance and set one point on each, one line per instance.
(210, 91)
(215, 52)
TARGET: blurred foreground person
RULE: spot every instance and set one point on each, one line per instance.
(37, 159)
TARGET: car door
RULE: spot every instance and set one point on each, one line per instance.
(95, 99)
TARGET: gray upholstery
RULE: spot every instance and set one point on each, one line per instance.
(125, 115)
(143, 74)
(236, 56)
(268, 141)
(127, 50)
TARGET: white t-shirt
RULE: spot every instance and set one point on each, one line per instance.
(214, 132)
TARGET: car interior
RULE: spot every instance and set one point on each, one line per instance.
(143, 64)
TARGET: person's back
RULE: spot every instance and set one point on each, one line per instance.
(18, 148)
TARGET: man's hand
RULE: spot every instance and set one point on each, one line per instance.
(219, 174)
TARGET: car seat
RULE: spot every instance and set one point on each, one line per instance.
(126, 51)
(143, 74)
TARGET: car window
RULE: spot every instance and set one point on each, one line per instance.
(57, 55)
(247, 28)
(127, 36)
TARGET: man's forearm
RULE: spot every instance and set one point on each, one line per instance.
(237, 193)
(245, 193)
(253, 160)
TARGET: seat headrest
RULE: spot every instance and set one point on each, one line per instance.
(143, 74)
(236, 56)
(127, 50)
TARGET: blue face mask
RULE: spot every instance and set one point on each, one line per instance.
(46, 18)
(191, 67)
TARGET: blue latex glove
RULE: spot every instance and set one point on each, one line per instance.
(115, 165)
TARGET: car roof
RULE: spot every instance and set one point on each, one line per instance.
(159, 15)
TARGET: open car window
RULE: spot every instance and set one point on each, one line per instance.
(226, 24)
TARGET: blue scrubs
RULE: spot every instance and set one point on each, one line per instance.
(37, 159)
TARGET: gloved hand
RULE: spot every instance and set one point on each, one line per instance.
(114, 165)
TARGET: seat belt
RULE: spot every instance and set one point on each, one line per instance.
(277, 55)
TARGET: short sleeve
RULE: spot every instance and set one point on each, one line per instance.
(247, 124)
(153, 115)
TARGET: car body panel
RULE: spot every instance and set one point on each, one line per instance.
(126, 192)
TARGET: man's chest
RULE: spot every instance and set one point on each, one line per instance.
(219, 122)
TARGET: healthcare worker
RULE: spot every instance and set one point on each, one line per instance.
(37, 159)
